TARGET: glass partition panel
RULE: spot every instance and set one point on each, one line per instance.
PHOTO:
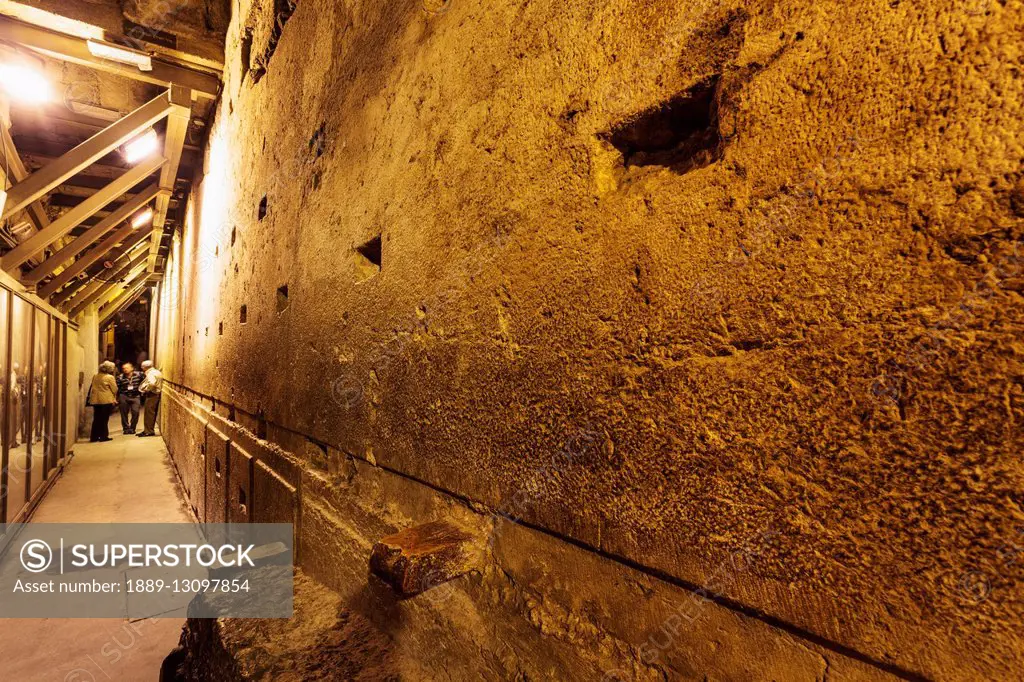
(40, 444)
(57, 411)
(19, 428)
(4, 377)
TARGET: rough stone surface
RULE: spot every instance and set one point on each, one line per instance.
(321, 642)
(535, 607)
(661, 323)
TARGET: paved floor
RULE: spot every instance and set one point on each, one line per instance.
(126, 480)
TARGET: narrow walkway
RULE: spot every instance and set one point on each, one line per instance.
(128, 480)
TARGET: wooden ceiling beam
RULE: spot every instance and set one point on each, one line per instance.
(76, 50)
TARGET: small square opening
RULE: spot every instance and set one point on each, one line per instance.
(282, 298)
(368, 258)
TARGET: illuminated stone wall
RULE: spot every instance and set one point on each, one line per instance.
(713, 297)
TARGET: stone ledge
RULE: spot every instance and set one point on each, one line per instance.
(419, 558)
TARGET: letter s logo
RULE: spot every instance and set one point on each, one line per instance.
(36, 556)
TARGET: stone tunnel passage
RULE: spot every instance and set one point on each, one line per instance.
(578, 341)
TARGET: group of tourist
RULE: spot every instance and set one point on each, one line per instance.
(130, 391)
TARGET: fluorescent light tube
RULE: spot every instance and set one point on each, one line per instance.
(120, 54)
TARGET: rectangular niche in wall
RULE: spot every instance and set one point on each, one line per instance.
(680, 134)
(282, 298)
(367, 258)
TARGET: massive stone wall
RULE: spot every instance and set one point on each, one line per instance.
(659, 281)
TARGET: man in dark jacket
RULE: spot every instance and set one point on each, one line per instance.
(129, 398)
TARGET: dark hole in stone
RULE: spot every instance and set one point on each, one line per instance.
(216, 465)
(220, 329)
(242, 499)
(263, 208)
(681, 133)
(243, 314)
(371, 250)
(318, 142)
(368, 258)
(319, 455)
(234, 234)
(246, 52)
(282, 298)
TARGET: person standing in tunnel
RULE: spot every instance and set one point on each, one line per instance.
(102, 396)
(129, 398)
(17, 414)
(150, 389)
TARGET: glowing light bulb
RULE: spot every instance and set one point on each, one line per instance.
(25, 83)
(141, 147)
(142, 218)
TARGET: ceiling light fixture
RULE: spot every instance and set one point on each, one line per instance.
(142, 218)
(122, 55)
(141, 147)
(86, 109)
(25, 83)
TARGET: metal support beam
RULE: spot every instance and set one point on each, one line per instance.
(74, 49)
(17, 173)
(98, 287)
(81, 243)
(122, 302)
(131, 238)
(49, 176)
(174, 144)
(70, 290)
(67, 222)
(134, 279)
(63, 299)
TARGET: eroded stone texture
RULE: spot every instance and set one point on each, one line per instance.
(661, 323)
(537, 608)
(323, 641)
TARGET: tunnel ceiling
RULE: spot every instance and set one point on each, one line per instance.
(71, 242)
